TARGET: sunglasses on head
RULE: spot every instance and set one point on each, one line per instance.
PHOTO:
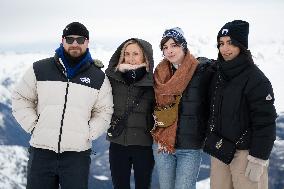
(80, 40)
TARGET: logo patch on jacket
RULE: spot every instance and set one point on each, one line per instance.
(268, 97)
(85, 80)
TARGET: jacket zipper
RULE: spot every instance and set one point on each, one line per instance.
(127, 104)
(63, 114)
(32, 131)
(219, 113)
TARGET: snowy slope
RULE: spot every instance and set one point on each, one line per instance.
(12, 67)
(13, 161)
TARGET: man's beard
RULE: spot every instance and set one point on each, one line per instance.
(75, 51)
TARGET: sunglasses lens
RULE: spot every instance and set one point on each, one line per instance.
(69, 40)
(80, 40)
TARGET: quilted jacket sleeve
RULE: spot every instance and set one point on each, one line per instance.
(102, 111)
(263, 115)
(24, 101)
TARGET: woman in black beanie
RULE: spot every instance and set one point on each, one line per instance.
(242, 111)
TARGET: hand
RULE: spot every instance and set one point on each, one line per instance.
(254, 171)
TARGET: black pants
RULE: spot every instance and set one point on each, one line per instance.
(122, 158)
(48, 170)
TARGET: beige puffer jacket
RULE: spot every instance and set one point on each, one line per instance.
(63, 115)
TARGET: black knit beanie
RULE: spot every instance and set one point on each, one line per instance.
(75, 28)
(177, 34)
(238, 30)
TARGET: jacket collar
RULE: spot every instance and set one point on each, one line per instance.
(59, 64)
(69, 71)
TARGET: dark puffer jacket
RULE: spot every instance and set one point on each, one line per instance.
(194, 108)
(243, 101)
(140, 121)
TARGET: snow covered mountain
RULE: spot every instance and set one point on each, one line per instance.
(13, 167)
(14, 141)
(276, 171)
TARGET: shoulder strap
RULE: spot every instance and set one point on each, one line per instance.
(240, 140)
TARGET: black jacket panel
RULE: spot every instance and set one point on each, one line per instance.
(89, 75)
(194, 109)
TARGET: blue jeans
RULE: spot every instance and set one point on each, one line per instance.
(178, 170)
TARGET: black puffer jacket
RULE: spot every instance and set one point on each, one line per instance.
(194, 108)
(140, 122)
(243, 100)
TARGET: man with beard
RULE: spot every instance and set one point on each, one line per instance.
(65, 102)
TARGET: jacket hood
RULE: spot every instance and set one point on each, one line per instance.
(148, 52)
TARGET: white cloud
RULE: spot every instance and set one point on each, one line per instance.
(42, 22)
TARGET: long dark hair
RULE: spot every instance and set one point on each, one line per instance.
(247, 53)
